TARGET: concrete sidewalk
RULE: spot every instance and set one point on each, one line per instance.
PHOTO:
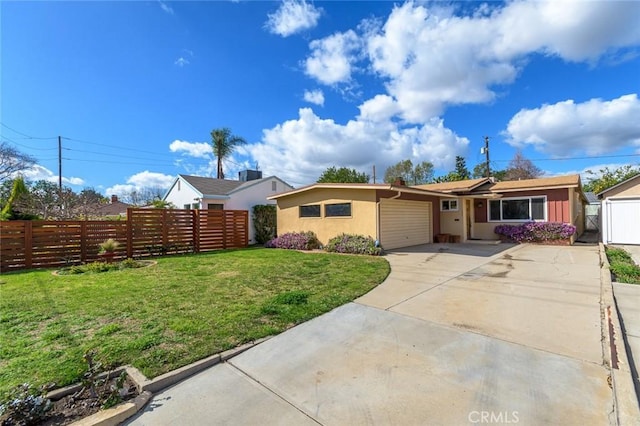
(627, 298)
(456, 333)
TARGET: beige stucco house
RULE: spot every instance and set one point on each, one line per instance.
(400, 216)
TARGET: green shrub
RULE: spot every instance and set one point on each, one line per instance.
(353, 244)
(623, 268)
(264, 222)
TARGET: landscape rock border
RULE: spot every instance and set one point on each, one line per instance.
(147, 387)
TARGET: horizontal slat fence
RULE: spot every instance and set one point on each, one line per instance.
(145, 232)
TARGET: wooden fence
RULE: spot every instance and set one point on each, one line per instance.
(146, 232)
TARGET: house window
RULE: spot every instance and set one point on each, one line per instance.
(337, 210)
(274, 185)
(518, 209)
(216, 206)
(448, 205)
(310, 211)
(186, 206)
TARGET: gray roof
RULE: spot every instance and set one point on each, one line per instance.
(212, 186)
(591, 197)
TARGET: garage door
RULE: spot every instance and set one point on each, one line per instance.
(621, 221)
(404, 223)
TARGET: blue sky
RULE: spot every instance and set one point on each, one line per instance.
(134, 88)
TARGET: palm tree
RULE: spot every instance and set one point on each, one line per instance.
(223, 145)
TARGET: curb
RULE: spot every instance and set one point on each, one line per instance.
(116, 415)
(625, 404)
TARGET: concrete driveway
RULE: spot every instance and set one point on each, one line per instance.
(457, 334)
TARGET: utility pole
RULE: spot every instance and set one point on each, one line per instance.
(485, 151)
(60, 164)
(374, 173)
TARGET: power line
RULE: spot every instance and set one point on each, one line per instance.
(592, 157)
(24, 134)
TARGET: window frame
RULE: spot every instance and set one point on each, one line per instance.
(448, 202)
(530, 199)
(301, 216)
(348, 203)
(215, 204)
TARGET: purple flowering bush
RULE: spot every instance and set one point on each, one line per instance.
(295, 241)
(354, 244)
(536, 231)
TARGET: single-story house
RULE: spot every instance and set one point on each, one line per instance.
(620, 212)
(396, 215)
(400, 216)
(483, 204)
(197, 192)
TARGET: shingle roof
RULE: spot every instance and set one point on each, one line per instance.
(568, 180)
(591, 197)
(457, 186)
(211, 186)
(113, 208)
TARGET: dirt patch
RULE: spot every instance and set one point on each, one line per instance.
(84, 403)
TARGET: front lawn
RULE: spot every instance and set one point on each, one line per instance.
(168, 315)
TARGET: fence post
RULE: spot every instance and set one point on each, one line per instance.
(83, 241)
(129, 234)
(195, 217)
(28, 244)
(165, 230)
(246, 228)
(224, 229)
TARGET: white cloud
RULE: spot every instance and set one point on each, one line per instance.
(299, 150)
(164, 6)
(181, 62)
(292, 17)
(140, 181)
(314, 97)
(38, 172)
(432, 58)
(428, 59)
(192, 149)
(594, 127)
(332, 58)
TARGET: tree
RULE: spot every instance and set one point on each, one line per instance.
(418, 175)
(143, 196)
(342, 175)
(521, 168)
(609, 178)
(224, 143)
(480, 171)
(18, 189)
(461, 168)
(13, 161)
(460, 173)
(88, 203)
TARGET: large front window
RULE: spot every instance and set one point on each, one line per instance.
(518, 209)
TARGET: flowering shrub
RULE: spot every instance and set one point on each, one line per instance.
(295, 241)
(536, 231)
(355, 244)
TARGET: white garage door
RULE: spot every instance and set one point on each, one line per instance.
(404, 223)
(621, 221)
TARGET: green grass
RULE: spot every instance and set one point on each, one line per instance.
(168, 315)
(622, 266)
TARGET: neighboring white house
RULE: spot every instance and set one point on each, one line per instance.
(621, 212)
(197, 192)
